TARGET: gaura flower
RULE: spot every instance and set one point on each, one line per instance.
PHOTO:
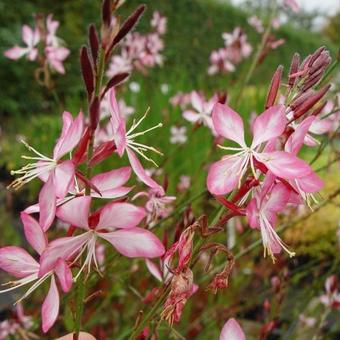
(178, 135)
(232, 331)
(31, 38)
(270, 199)
(202, 109)
(55, 57)
(20, 264)
(52, 27)
(57, 174)
(116, 223)
(226, 174)
(125, 141)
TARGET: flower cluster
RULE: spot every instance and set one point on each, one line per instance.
(266, 175)
(42, 38)
(236, 48)
(141, 51)
(95, 208)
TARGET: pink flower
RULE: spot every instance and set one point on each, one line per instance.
(52, 27)
(226, 174)
(201, 112)
(232, 331)
(178, 135)
(31, 38)
(292, 4)
(158, 22)
(256, 23)
(156, 205)
(20, 264)
(270, 199)
(184, 183)
(55, 57)
(57, 174)
(116, 223)
(220, 63)
(125, 141)
(332, 297)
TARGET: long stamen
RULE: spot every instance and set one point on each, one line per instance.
(146, 147)
(19, 283)
(144, 132)
(135, 125)
(144, 156)
(228, 148)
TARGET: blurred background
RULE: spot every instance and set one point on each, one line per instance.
(194, 28)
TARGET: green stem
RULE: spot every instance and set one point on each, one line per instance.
(80, 296)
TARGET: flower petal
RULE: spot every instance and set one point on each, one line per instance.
(15, 52)
(197, 101)
(278, 198)
(27, 35)
(47, 204)
(34, 233)
(321, 126)
(62, 248)
(64, 274)
(228, 123)
(296, 139)
(76, 211)
(17, 262)
(141, 173)
(310, 183)
(135, 242)
(252, 214)
(224, 175)
(71, 133)
(154, 269)
(284, 164)
(63, 178)
(118, 123)
(120, 215)
(269, 124)
(232, 331)
(50, 307)
(110, 184)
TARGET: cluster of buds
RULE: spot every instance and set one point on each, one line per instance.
(80, 199)
(43, 46)
(236, 48)
(264, 177)
(141, 51)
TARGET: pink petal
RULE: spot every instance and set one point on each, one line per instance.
(197, 101)
(110, 184)
(71, 134)
(118, 123)
(310, 183)
(224, 175)
(232, 331)
(135, 242)
(27, 35)
(141, 173)
(228, 123)
(270, 124)
(191, 116)
(64, 274)
(284, 164)
(17, 262)
(15, 52)
(47, 204)
(120, 215)
(62, 248)
(154, 269)
(63, 178)
(50, 307)
(278, 198)
(76, 211)
(296, 139)
(33, 233)
(321, 126)
(252, 214)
